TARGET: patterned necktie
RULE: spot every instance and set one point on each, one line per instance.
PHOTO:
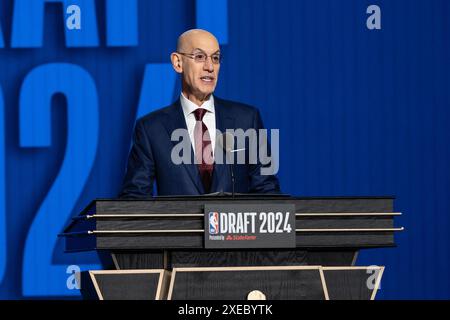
(203, 149)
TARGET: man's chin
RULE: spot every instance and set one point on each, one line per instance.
(203, 93)
(207, 93)
(207, 88)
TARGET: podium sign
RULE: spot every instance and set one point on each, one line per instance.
(234, 226)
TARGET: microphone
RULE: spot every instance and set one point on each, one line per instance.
(226, 142)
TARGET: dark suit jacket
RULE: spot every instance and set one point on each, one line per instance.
(150, 156)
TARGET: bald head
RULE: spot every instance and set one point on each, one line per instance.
(195, 38)
(197, 60)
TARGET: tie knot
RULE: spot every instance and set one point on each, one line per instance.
(199, 113)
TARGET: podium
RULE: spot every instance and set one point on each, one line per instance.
(157, 249)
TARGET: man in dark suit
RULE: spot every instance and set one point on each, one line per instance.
(199, 114)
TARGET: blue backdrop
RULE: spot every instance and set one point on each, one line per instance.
(360, 112)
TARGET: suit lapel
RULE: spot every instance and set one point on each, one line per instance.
(177, 121)
(224, 120)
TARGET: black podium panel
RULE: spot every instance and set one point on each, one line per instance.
(139, 259)
(124, 285)
(235, 283)
(178, 223)
(352, 283)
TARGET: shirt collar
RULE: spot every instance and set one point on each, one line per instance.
(189, 107)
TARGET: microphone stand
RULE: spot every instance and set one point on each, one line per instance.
(232, 180)
(230, 166)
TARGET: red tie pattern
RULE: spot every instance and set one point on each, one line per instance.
(203, 149)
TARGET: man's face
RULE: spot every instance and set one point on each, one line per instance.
(200, 78)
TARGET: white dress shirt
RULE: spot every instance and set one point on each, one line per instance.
(209, 119)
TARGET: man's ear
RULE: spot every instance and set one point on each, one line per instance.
(177, 64)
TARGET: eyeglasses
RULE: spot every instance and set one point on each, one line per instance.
(201, 57)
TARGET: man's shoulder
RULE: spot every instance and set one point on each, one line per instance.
(162, 114)
(155, 116)
(236, 107)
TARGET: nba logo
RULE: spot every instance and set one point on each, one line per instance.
(213, 223)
